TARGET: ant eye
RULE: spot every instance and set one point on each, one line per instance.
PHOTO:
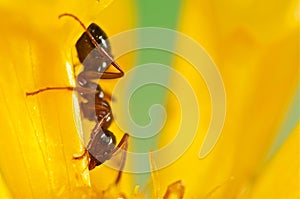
(108, 138)
(105, 139)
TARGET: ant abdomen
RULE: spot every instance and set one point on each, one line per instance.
(96, 111)
(88, 55)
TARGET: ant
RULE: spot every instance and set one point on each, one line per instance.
(94, 53)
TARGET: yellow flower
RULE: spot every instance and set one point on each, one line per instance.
(254, 45)
(38, 136)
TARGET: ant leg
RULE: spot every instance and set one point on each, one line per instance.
(97, 128)
(99, 124)
(80, 156)
(70, 88)
(123, 144)
(100, 75)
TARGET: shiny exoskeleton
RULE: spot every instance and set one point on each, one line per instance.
(94, 66)
(94, 53)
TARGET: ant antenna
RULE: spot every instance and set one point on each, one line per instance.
(99, 48)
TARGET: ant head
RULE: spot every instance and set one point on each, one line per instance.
(102, 146)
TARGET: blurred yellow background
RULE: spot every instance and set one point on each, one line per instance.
(255, 46)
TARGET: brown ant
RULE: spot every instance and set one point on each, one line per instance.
(94, 53)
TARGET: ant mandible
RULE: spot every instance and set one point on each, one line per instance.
(94, 53)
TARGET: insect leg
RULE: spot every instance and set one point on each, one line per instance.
(80, 156)
(100, 75)
(70, 88)
(123, 144)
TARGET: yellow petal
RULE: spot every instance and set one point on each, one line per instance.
(39, 137)
(4, 190)
(279, 178)
(259, 74)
